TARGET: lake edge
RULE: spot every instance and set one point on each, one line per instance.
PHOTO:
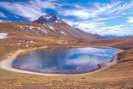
(9, 60)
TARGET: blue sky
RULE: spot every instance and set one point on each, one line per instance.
(103, 17)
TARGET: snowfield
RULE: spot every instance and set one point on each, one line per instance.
(3, 35)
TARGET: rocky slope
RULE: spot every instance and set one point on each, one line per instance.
(46, 26)
(56, 26)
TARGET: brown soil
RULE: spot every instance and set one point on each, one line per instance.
(119, 76)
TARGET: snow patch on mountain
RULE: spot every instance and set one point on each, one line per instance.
(30, 27)
(63, 33)
(56, 21)
(44, 31)
(52, 28)
(3, 35)
(46, 19)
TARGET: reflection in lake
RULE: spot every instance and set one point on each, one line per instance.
(64, 61)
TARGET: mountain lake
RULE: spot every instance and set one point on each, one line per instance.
(64, 60)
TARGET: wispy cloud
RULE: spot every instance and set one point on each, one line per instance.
(92, 17)
(2, 14)
(130, 19)
(98, 10)
(31, 10)
(96, 18)
(102, 29)
(117, 30)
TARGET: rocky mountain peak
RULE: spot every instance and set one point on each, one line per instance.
(47, 19)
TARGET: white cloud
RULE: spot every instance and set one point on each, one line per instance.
(85, 25)
(102, 29)
(94, 20)
(31, 10)
(130, 20)
(104, 18)
(2, 14)
(82, 14)
(91, 18)
(117, 30)
(99, 10)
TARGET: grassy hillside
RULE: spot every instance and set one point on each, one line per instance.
(118, 76)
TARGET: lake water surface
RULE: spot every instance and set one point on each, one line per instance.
(64, 61)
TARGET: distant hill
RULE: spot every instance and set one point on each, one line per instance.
(113, 36)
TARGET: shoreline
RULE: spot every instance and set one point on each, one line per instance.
(6, 64)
